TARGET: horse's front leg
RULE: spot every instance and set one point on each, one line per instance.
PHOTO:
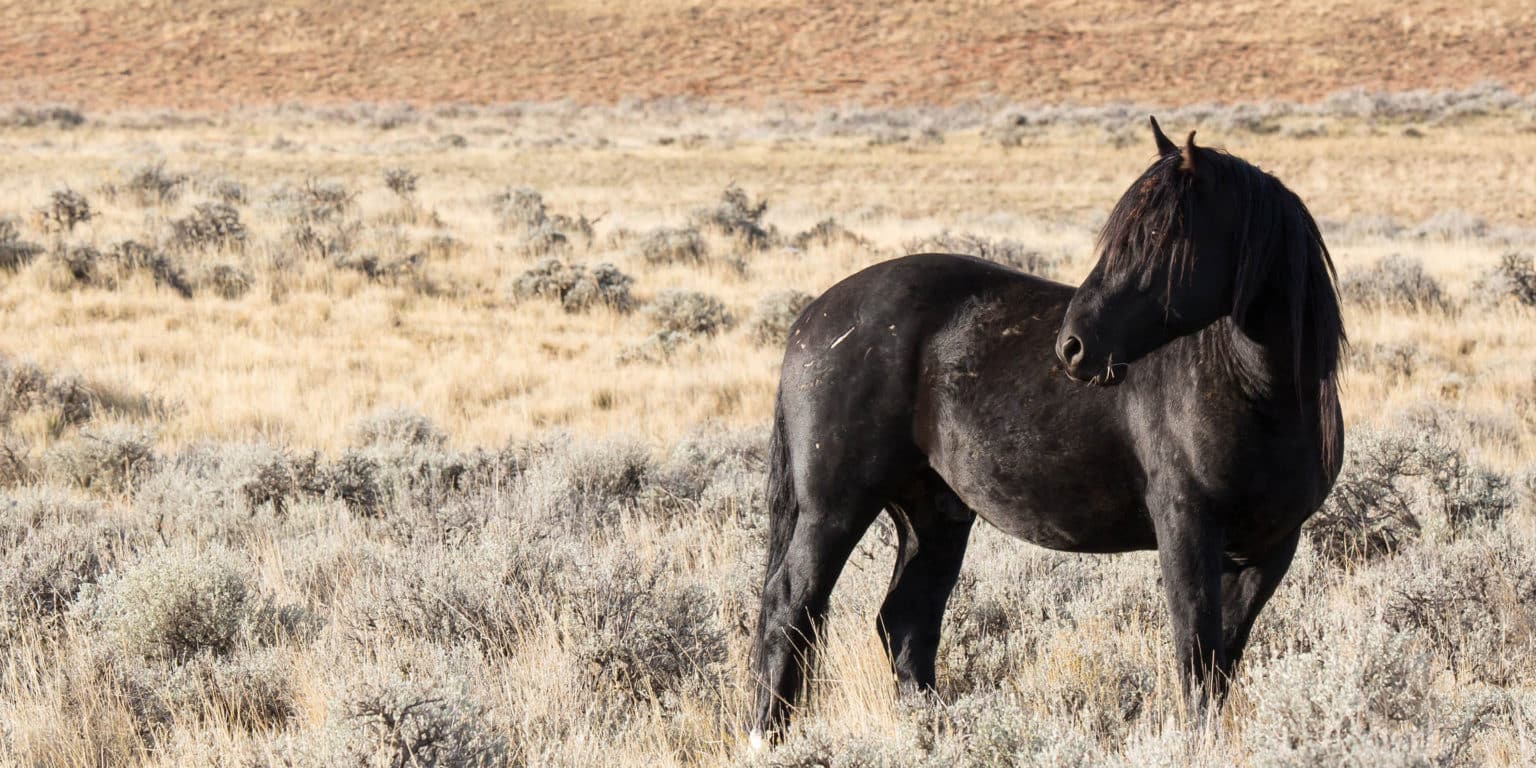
(1189, 546)
(1245, 588)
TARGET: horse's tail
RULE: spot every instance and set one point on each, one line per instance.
(783, 505)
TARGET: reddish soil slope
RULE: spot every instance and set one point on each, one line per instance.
(200, 53)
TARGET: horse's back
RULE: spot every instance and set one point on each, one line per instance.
(913, 293)
(880, 318)
(853, 386)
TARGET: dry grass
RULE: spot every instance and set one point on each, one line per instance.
(309, 347)
(577, 591)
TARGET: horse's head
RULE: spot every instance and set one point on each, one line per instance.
(1160, 273)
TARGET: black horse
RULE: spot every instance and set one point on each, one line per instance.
(942, 387)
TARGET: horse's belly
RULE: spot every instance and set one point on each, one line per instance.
(1082, 512)
(1107, 531)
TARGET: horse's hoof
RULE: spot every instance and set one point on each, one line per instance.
(755, 742)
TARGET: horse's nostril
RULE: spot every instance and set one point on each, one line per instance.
(1071, 349)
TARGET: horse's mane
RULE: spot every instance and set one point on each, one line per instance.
(1277, 246)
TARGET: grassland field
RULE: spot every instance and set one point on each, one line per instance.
(400, 436)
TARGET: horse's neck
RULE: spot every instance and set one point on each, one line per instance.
(1255, 354)
(1229, 355)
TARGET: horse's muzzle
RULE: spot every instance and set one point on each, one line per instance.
(1113, 374)
(1075, 361)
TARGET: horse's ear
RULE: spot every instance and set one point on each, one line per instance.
(1164, 146)
(1189, 154)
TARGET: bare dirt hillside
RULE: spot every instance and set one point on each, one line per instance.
(204, 54)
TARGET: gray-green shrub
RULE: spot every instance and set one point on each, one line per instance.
(574, 286)
(254, 689)
(689, 312)
(1393, 281)
(583, 485)
(213, 225)
(398, 426)
(673, 245)
(643, 630)
(1513, 278)
(153, 185)
(66, 209)
(738, 216)
(716, 470)
(775, 313)
(1473, 602)
(484, 594)
(521, 209)
(1392, 479)
(43, 572)
(655, 348)
(401, 181)
(175, 603)
(227, 281)
(15, 253)
(390, 716)
(132, 256)
(110, 458)
(826, 234)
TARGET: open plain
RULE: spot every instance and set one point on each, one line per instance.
(422, 433)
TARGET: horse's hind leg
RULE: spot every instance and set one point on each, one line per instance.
(933, 527)
(795, 597)
(1244, 591)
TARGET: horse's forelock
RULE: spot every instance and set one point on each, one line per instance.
(1145, 226)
